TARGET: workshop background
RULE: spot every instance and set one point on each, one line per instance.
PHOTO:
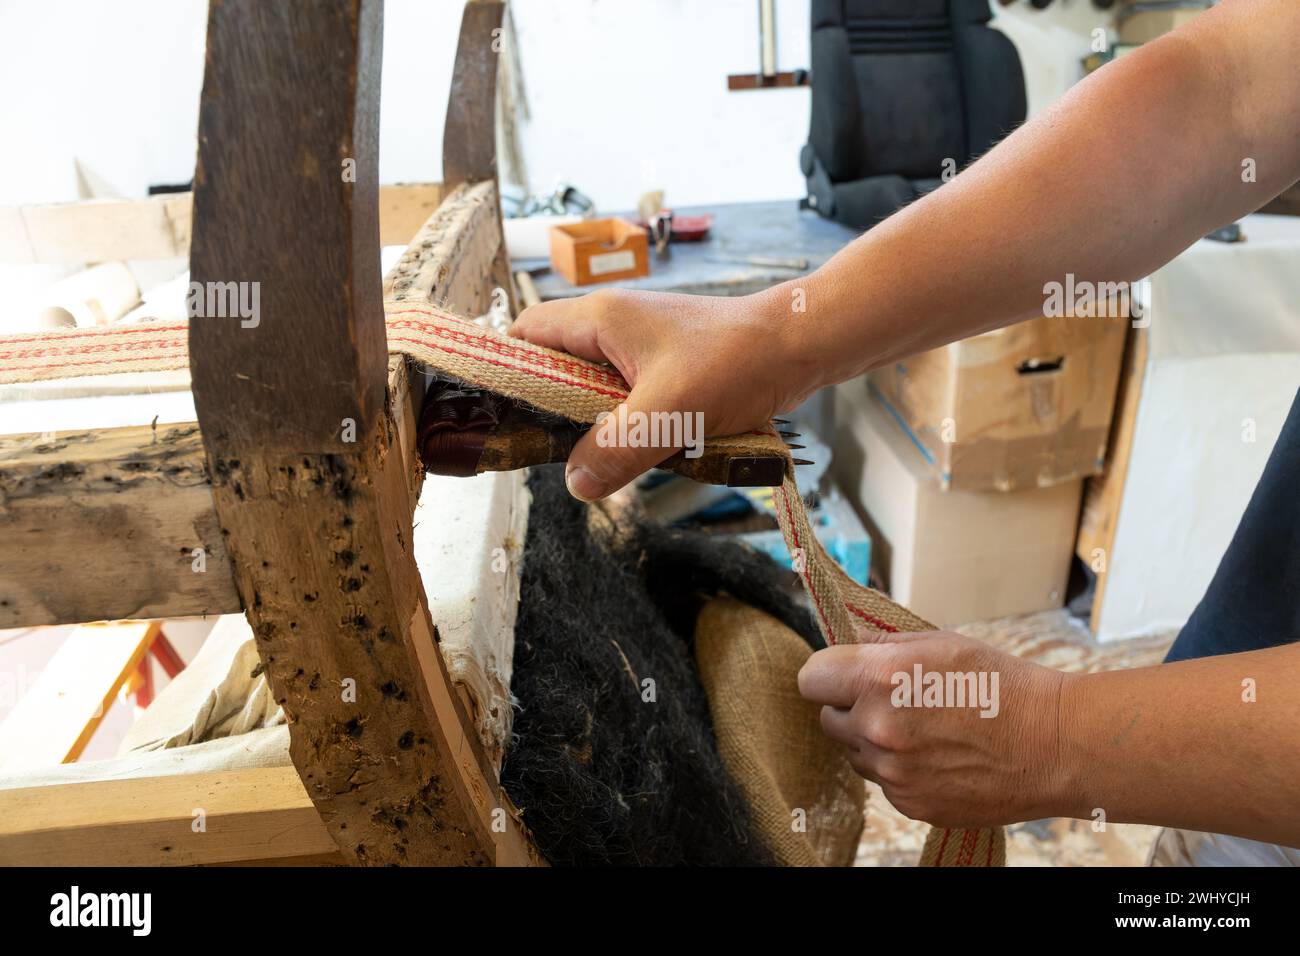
(1087, 453)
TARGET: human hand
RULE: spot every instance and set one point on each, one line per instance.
(732, 361)
(937, 760)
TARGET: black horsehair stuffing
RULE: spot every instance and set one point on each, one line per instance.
(602, 774)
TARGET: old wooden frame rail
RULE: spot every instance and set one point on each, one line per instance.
(298, 480)
(159, 227)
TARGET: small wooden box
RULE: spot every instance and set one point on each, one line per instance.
(599, 250)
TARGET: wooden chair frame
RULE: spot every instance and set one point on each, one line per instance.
(298, 480)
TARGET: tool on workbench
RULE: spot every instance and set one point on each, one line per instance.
(666, 225)
(465, 431)
(661, 231)
(684, 228)
(657, 220)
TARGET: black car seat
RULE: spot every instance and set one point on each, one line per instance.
(902, 90)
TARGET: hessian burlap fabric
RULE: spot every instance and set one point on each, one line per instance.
(805, 798)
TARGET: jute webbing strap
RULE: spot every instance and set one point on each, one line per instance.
(553, 381)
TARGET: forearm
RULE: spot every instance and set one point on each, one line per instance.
(1184, 745)
(1129, 168)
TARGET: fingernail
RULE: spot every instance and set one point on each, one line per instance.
(583, 485)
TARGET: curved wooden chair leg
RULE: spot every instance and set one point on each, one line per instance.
(303, 426)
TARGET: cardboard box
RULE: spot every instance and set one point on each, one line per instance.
(951, 556)
(1027, 406)
(599, 250)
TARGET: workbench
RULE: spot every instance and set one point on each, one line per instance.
(777, 229)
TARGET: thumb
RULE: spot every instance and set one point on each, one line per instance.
(620, 446)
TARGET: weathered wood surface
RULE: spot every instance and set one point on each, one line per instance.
(469, 143)
(318, 520)
(159, 227)
(261, 815)
(108, 525)
(468, 134)
(273, 206)
(449, 262)
(103, 524)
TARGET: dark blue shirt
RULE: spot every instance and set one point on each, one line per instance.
(1254, 599)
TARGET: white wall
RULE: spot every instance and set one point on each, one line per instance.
(625, 94)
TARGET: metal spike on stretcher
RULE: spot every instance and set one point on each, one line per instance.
(790, 434)
(801, 461)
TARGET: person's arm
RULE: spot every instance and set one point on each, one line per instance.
(1129, 168)
(1207, 745)
(1133, 165)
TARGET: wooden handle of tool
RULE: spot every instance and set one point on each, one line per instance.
(464, 432)
(757, 460)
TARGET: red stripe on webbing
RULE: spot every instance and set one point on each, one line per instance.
(883, 625)
(536, 373)
(807, 577)
(156, 346)
(943, 845)
(46, 337)
(526, 360)
(110, 361)
(504, 346)
(966, 852)
(111, 347)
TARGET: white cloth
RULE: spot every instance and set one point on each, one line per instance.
(1191, 848)
(221, 693)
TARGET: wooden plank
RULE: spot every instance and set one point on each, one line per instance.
(260, 815)
(450, 261)
(469, 143)
(103, 230)
(758, 81)
(310, 373)
(405, 398)
(318, 520)
(469, 134)
(104, 525)
(56, 717)
(1103, 494)
(403, 209)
